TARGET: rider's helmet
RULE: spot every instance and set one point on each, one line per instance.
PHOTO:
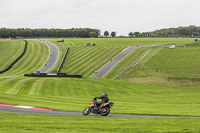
(105, 94)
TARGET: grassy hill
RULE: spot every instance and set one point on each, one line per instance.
(85, 60)
(75, 94)
(179, 64)
(34, 58)
(10, 50)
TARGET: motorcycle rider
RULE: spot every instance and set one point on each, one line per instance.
(104, 99)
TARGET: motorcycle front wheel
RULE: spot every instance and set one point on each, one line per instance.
(105, 111)
(86, 111)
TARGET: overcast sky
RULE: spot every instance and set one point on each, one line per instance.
(122, 16)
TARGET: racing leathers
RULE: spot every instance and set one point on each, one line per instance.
(104, 99)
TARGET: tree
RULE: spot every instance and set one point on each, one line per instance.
(136, 34)
(92, 34)
(113, 34)
(130, 34)
(106, 33)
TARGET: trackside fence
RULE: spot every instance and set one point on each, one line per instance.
(63, 60)
(136, 62)
(15, 61)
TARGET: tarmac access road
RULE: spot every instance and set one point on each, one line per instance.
(53, 56)
(113, 62)
(9, 109)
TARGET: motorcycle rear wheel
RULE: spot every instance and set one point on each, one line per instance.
(105, 111)
(86, 111)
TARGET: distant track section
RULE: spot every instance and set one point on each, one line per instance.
(135, 63)
(53, 57)
(15, 61)
(113, 62)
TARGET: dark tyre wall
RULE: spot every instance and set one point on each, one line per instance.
(15, 61)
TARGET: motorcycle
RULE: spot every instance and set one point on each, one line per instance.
(103, 109)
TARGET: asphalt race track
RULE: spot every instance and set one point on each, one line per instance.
(53, 57)
(7, 76)
(113, 62)
(9, 109)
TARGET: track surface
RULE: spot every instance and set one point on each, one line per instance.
(9, 109)
(53, 57)
(7, 76)
(107, 67)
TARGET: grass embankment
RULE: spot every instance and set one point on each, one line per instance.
(75, 94)
(85, 60)
(34, 58)
(177, 67)
(23, 123)
(10, 50)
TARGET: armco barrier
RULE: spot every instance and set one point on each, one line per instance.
(144, 55)
(52, 75)
(63, 60)
(9, 67)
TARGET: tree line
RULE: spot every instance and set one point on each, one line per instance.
(107, 34)
(190, 31)
(26, 32)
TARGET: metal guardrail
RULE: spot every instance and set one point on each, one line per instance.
(144, 56)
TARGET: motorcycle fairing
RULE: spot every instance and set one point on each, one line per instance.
(104, 104)
(91, 105)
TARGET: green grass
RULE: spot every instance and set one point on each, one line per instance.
(85, 60)
(10, 50)
(172, 64)
(34, 58)
(23, 123)
(75, 94)
(179, 62)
